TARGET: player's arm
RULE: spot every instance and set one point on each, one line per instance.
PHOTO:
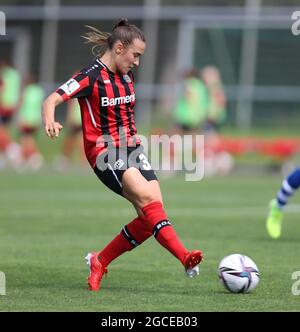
(52, 127)
(80, 85)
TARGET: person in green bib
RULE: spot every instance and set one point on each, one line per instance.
(189, 116)
(29, 122)
(10, 84)
(191, 107)
(216, 107)
(217, 161)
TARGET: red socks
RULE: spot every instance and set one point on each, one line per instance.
(133, 234)
(163, 230)
(140, 229)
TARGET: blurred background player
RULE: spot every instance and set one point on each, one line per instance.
(217, 162)
(29, 118)
(10, 84)
(216, 105)
(274, 221)
(191, 108)
(73, 142)
(190, 112)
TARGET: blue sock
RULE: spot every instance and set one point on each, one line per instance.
(288, 187)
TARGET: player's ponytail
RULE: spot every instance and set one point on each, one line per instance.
(98, 38)
(122, 31)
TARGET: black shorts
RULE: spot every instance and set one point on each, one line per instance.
(6, 117)
(111, 165)
(27, 130)
(187, 129)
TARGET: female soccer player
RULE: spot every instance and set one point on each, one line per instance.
(106, 96)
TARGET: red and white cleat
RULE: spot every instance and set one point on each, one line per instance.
(97, 271)
(191, 263)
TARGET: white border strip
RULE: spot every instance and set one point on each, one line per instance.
(91, 112)
(115, 175)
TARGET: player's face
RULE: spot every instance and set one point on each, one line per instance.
(129, 57)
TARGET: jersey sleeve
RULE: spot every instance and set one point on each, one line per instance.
(79, 85)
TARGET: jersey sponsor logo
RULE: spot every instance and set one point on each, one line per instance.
(70, 86)
(127, 78)
(106, 81)
(105, 101)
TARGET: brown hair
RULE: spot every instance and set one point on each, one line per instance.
(122, 31)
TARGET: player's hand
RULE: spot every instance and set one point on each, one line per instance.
(52, 129)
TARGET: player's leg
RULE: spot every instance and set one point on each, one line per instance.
(288, 187)
(70, 142)
(31, 155)
(5, 120)
(62, 161)
(140, 228)
(8, 146)
(132, 235)
(4, 143)
(275, 216)
(80, 147)
(146, 197)
(5, 139)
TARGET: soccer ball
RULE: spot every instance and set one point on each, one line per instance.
(238, 273)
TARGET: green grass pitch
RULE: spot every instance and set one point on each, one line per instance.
(49, 221)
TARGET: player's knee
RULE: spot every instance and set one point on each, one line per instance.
(146, 198)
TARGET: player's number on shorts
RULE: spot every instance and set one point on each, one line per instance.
(146, 166)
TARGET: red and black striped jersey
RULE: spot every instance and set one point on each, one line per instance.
(106, 101)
